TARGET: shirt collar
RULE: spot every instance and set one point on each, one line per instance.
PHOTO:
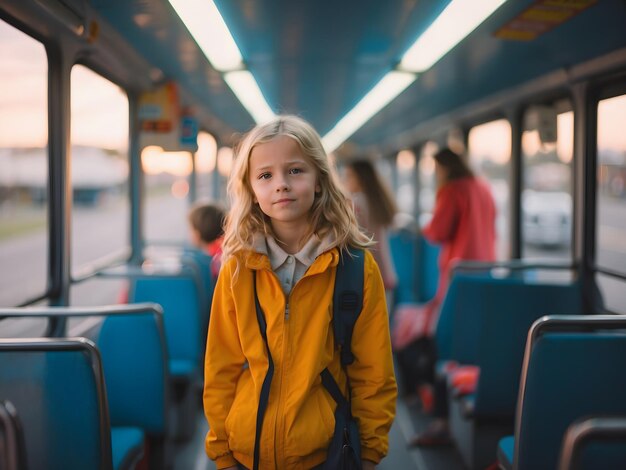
(306, 255)
(262, 248)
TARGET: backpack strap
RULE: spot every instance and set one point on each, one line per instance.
(347, 301)
(267, 382)
(347, 305)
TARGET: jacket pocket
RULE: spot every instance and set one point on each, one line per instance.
(240, 423)
(327, 411)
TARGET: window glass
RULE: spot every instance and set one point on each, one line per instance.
(99, 168)
(611, 197)
(427, 184)
(166, 189)
(489, 150)
(612, 290)
(23, 167)
(205, 162)
(405, 192)
(546, 204)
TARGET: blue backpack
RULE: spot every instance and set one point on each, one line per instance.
(344, 452)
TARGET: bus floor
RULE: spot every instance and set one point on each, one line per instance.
(409, 420)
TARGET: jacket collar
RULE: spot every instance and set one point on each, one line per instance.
(257, 258)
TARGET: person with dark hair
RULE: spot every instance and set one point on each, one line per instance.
(206, 223)
(375, 208)
(463, 223)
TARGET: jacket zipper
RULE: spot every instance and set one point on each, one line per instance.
(285, 345)
(280, 385)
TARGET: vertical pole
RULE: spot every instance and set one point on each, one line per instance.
(136, 182)
(59, 184)
(516, 182)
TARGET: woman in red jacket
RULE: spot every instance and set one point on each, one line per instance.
(463, 223)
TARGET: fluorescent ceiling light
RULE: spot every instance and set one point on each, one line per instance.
(245, 87)
(458, 19)
(206, 25)
(390, 86)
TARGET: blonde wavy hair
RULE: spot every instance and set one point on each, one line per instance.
(331, 213)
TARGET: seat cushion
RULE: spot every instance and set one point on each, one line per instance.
(505, 452)
(182, 368)
(463, 379)
(127, 445)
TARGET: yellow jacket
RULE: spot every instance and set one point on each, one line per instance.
(299, 420)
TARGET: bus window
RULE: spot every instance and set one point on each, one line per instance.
(489, 150)
(405, 163)
(99, 168)
(166, 191)
(23, 167)
(426, 171)
(611, 200)
(225, 157)
(546, 205)
(205, 161)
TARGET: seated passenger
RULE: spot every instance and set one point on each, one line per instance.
(206, 230)
(206, 224)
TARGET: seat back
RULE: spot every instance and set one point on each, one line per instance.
(508, 309)
(415, 261)
(178, 294)
(131, 341)
(428, 277)
(134, 356)
(458, 326)
(58, 386)
(595, 442)
(12, 451)
(573, 367)
(202, 262)
(403, 246)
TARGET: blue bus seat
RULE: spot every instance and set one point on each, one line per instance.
(202, 262)
(505, 452)
(494, 315)
(594, 442)
(178, 294)
(133, 352)
(58, 387)
(12, 450)
(403, 246)
(415, 261)
(137, 379)
(505, 322)
(573, 368)
(428, 270)
(127, 445)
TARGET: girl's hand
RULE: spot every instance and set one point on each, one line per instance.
(368, 465)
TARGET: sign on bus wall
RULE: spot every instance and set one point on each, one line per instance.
(163, 122)
(540, 17)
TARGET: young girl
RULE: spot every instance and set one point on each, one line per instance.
(289, 223)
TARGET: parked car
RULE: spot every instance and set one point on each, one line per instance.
(547, 218)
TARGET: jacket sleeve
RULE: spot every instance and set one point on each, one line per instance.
(372, 378)
(222, 367)
(443, 224)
